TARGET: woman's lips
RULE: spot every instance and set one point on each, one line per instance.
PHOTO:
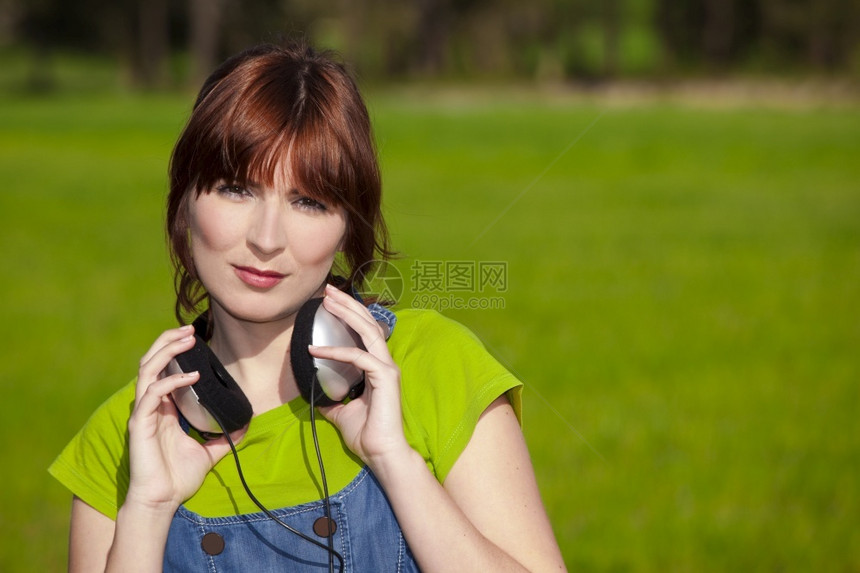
(258, 278)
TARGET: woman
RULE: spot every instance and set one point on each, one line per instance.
(274, 195)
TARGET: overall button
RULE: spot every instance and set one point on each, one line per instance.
(325, 527)
(212, 543)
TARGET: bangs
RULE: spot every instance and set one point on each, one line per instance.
(271, 123)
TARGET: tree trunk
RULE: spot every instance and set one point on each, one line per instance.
(152, 43)
(611, 35)
(718, 34)
(204, 19)
(665, 20)
(432, 35)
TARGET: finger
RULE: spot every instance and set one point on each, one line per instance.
(220, 447)
(360, 311)
(153, 369)
(372, 365)
(360, 320)
(152, 397)
(333, 413)
(165, 338)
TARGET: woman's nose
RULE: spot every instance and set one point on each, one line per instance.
(268, 231)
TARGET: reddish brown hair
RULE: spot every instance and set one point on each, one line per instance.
(263, 106)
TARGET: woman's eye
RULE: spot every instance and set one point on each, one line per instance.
(233, 190)
(308, 203)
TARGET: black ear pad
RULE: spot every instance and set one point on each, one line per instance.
(304, 370)
(216, 390)
(304, 365)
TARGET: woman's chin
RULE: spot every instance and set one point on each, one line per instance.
(257, 314)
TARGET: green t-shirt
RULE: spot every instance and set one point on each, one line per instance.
(447, 380)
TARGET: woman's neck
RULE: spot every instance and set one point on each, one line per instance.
(257, 355)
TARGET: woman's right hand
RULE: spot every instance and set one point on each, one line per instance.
(166, 465)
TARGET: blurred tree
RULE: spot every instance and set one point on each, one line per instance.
(204, 19)
(34, 26)
(554, 39)
(10, 13)
(820, 33)
(47, 25)
(678, 23)
(718, 31)
(612, 10)
(153, 43)
(707, 34)
(432, 34)
(255, 22)
(353, 14)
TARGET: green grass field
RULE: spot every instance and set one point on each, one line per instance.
(682, 303)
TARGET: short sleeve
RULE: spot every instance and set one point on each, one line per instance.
(94, 465)
(448, 379)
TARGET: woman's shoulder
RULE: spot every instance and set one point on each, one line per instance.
(425, 341)
(115, 410)
(94, 464)
(410, 317)
(448, 378)
(429, 327)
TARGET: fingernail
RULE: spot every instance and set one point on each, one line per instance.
(186, 339)
(186, 327)
(312, 347)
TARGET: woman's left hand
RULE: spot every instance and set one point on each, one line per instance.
(372, 424)
(488, 515)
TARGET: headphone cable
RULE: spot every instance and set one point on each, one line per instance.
(329, 548)
(326, 501)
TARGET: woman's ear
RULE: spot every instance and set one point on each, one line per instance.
(342, 243)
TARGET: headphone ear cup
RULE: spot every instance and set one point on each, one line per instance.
(304, 369)
(216, 390)
(223, 397)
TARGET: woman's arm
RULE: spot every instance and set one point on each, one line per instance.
(90, 538)
(134, 542)
(166, 467)
(493, 483)
(488, 515)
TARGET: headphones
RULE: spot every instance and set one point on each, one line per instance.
(216, 397)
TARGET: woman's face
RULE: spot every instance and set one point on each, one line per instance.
(262, 252)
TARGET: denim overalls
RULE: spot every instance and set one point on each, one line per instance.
(367, 534)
